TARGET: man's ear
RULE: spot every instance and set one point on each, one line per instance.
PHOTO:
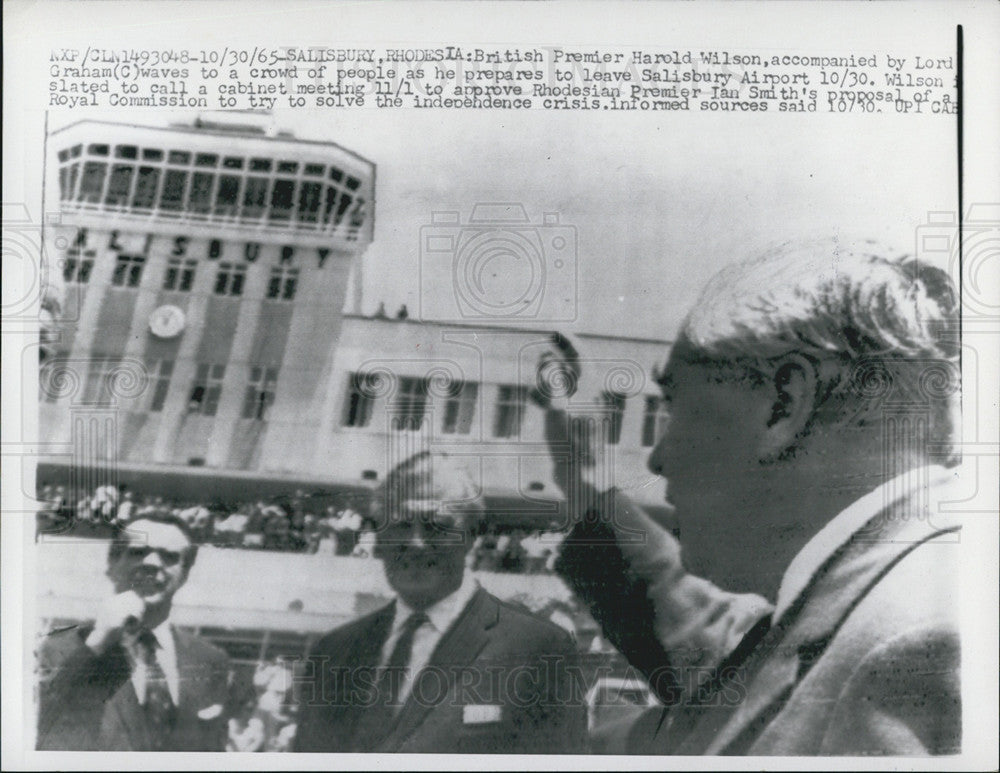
(793, 385)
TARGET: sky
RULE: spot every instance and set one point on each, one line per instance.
(656, 202)
(659, 204)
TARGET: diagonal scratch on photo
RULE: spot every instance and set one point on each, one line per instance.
(333, 460)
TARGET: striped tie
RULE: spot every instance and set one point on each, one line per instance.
(159, 706)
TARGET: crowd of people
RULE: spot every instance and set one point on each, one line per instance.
(288, 526)
(520, 551)
(265, 720)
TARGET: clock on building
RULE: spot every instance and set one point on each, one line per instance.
(167, 322)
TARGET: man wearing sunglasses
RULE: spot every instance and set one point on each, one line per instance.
(132, 681)
(446, 667)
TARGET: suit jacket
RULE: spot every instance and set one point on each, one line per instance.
(865, 661)
(87, 702)
(499, 681)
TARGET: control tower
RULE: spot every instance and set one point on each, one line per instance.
(206, 268)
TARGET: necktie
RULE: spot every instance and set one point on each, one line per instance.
(159, 706)
(394, 674)
(377, 720)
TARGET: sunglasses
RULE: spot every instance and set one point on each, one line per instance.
(139, 553)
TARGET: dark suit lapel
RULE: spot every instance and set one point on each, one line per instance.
(348, 713)
(126, 705)
(189, 687)
(369, 653)
(460, 646)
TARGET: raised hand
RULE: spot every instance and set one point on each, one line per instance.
(118, 614)
(558, 373)
(570, 438)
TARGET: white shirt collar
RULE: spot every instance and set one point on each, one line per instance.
(443, 613)
(165, 637)
(845, 525)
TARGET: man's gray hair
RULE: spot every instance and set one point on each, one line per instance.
(881, 327)
(428, 481)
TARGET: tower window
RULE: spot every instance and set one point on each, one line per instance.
(174, 187)
(511, 401)
(360, 400)
(654, 420)
(260, 393)
(119, 185)
(159, 373)
(459, 408)
(201, 192)
(409, 404)
(255, 197)
(99, 379)
(282, 199)
(206, 389)
(228, 196)
(92, 182)
(180, 274)
(145, 187)
(614, 404)
(77, 268)
(310, 196)
(128, 270)
(229, 279)
(283, 283)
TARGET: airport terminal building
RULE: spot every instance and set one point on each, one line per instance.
(211, 328)
(210, 346)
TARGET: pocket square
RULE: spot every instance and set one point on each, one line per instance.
(210, 712)
(480, 714)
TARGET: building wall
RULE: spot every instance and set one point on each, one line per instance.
(123, 265)
(492, 358)
(118, 404)
(295, 338)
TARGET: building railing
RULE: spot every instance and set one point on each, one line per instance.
(260, 194)
(245, 226)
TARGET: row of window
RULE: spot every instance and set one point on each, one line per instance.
(172, 182)
(180, 273)
(407, 410)
(409, 407)
(203, 395)
(185, 158)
